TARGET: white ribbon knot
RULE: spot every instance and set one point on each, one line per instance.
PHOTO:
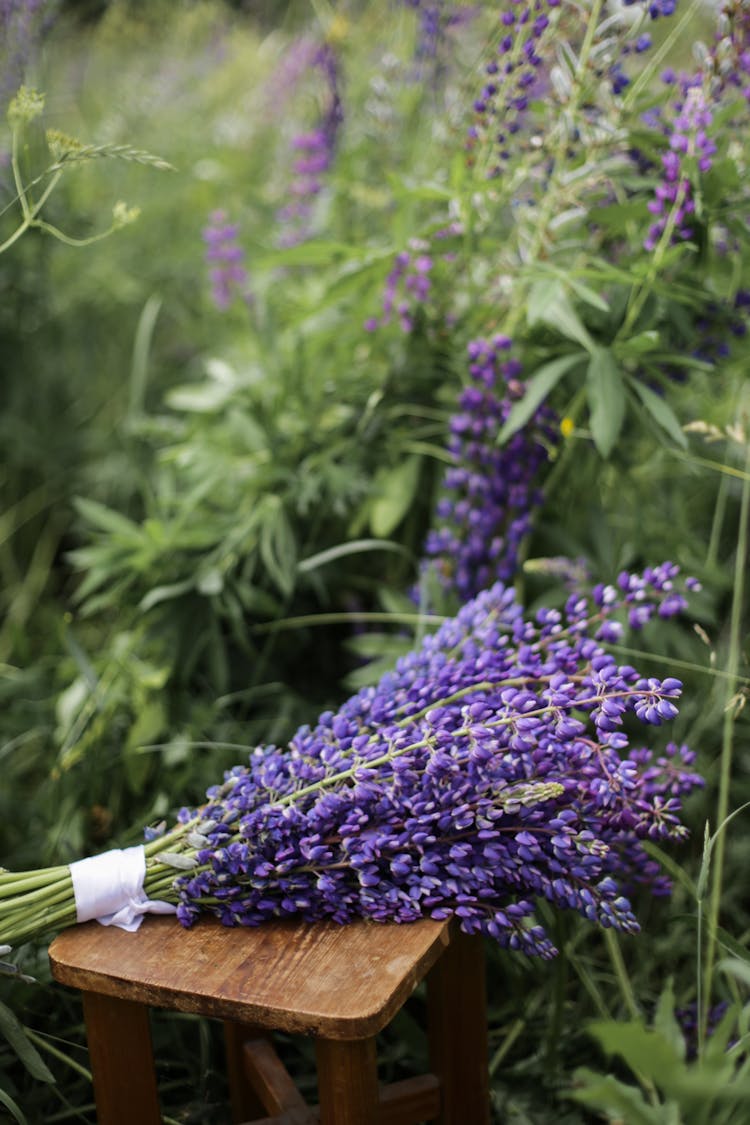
(109, 888)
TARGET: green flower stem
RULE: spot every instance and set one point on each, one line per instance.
(18, 882)
(17, 179)
(727, 747)
(657, 56)
(29, 213)
(717, 523)
(640, 294)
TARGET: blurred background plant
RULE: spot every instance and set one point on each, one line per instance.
(424, 300)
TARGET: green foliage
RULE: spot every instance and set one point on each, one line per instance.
(212, 521)
(673, 1088)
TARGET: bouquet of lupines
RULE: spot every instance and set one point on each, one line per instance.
(491, 769)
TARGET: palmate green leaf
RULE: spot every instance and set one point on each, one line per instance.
(626, 1103)
(537, 390)
(646, 1051)
(661, 412)
(588, 295)
(549, 304)
(606, 395)
(395, 490)
(665, 1022)
(12, 1029)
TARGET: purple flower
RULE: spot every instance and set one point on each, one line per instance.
(515, 77)
(229, 279)
(489, 494)
(314, 152)
(436, 19)
(476, 778)
(690, 147)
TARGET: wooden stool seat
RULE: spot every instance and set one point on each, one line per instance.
(340, 985)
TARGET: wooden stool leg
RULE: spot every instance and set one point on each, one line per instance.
(457, 1029)
(122, 1061)
(347, 1081)
(244, 1101)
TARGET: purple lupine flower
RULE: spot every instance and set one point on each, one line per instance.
(689, 143)
(407, 286)
(490, 769)
(296, 61)
(314, 152)
(687, 1018)
(513, 79)
(436, 19)
(489, 494)
(225, 257)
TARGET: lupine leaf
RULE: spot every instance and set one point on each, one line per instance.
(395, 491)
(606, 396)
(537, 390)
(645, 1051)
(660, 411)
(603, 1091)
(549, 304)
(665, 1022)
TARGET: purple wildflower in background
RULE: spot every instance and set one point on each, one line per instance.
(687, 1018)
(314, 152)
(296, 61)
(492, 768)
(490, 493)
(513, 79)
(655, 8)
(409, 284)
(225, 257)
(691, 149)
(436, 20)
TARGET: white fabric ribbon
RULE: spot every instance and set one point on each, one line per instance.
(109, 888)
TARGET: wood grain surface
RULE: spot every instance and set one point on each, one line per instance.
(339, 982)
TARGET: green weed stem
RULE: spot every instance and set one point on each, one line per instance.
(727, 747)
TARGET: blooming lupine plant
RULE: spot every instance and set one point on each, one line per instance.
(314, 151)
(491, 491)
(225, 258)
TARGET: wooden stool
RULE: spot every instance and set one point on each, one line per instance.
(339, 984)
